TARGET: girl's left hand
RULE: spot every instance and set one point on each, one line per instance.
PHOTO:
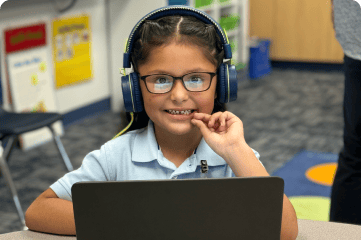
(222, 131)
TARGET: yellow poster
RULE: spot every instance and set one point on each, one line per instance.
(71, 44)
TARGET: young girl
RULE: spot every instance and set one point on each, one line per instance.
(176, 58)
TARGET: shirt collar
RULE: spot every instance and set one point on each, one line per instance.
(145, 148)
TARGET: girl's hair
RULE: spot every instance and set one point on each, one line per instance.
(185, 30)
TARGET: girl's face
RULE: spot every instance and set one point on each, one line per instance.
(177, 60)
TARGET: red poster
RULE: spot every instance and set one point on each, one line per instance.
(25, 38)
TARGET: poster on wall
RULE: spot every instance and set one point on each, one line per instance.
(30, 79)
(1, 91)
(71, 50)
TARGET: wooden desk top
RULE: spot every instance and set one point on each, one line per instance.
(307, 230)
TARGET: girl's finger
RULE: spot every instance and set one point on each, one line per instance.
(223, 121)
(215, 126)
(213, 119)
(202, 116)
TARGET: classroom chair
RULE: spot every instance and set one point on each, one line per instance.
(14, 124)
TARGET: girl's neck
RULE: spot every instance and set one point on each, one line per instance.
(177, 148)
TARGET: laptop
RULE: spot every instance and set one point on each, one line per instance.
(210, 208)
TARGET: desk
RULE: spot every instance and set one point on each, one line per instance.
(307, 229)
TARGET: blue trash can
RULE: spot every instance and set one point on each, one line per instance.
(259, 62)
(178, 2)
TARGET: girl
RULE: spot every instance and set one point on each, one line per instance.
(176, 58)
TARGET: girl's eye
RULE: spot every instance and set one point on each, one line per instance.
(196, 79)
(161, 80)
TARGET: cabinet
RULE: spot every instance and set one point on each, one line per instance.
(232, 15)
(300, 30)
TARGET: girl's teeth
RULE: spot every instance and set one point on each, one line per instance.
(181, 112)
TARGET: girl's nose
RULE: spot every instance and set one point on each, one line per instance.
(178, 93)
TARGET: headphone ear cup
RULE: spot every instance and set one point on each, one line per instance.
(227, 84)
(137, 92)
(127, 94)
(221, 86)
(233, 83)
(132, 95)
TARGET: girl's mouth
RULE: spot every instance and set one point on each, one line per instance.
(186, 112)
(180, 115)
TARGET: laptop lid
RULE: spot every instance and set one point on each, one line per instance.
(227, 208)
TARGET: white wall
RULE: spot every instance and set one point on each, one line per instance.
(71, 97)
(114, 18)
(124, 14)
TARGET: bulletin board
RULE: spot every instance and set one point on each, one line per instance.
(30, 79)
(1, 92)
(72, 55)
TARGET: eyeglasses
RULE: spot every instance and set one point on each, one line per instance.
(193, 82)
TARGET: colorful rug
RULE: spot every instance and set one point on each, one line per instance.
(308, 179)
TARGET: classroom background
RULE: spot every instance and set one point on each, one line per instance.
(65, 56)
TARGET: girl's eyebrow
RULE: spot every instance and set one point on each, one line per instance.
(159, 71)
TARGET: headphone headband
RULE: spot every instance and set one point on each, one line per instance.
(177, 10)
(226, 74)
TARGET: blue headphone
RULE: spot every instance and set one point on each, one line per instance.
(227, 74)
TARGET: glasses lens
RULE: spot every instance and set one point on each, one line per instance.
(197, 81)
(159, 83)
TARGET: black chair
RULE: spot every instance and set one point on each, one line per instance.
(13, 124)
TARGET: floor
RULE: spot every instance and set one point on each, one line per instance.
(283, 113)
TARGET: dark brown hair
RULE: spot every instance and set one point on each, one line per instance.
(186, 30)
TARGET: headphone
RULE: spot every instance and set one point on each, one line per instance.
(226, 74)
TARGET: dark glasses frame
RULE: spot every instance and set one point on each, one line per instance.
(212, 74)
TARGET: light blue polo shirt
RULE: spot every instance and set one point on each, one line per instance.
(136, 156)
